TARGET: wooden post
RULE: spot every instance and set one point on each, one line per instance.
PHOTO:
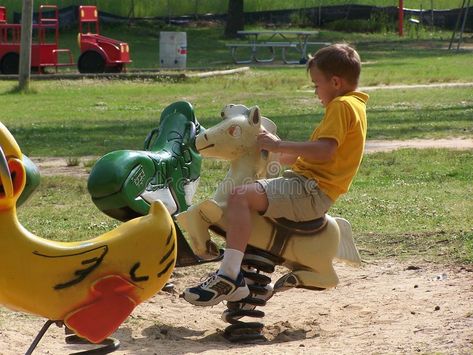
(25, 47)
(401, 17)
(432, 16)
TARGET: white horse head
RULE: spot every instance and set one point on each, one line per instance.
(234, 140)
(236, 135)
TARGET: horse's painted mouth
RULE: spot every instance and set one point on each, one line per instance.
(207, 146)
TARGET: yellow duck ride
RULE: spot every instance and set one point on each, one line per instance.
(91, 286)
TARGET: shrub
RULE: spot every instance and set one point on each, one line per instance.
(378, 22)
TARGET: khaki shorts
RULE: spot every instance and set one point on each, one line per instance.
(294, 197)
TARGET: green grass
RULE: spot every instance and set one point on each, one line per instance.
(413, 202)
(61, 209)
(398, 182)
(77, 118)
(405, 203)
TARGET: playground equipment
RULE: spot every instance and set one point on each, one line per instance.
(307, 249)
(90, 286)
(33, 178)
(124, 183)
(457, 35)
(44, 49)
(98, 53)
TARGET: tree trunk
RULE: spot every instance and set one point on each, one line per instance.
(235, 18)
(25, 47)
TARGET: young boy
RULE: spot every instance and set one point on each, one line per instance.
(322, 169)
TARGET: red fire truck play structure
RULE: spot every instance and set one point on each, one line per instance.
(44, 49)
(98, 53)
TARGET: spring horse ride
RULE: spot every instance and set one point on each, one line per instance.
(91, 286)
(307, 249)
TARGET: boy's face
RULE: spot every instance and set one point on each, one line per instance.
(326, 88)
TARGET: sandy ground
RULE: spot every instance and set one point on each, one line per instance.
(384, 307)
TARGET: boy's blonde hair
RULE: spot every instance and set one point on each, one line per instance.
(337, 60)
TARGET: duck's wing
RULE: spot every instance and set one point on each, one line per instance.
(81, 263)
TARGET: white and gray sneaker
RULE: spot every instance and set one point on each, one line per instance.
(215, 289)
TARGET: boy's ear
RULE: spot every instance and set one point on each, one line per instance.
(336, 81)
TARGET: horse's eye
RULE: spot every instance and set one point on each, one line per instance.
(222, 114)
(235, 131)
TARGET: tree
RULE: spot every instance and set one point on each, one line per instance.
(25, 48)
(235, 18)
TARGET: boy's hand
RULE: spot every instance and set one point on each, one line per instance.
(268, 141)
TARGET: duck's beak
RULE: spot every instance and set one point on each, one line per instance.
(6, 183)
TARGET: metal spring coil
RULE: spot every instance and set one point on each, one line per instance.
(254, 262)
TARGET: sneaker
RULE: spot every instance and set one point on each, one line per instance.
(215, 289)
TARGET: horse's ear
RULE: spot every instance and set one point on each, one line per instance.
(255, 116)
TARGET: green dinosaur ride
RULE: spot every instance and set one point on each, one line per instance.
(123, 183)
(33, 178)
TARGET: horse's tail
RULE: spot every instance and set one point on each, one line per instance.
(347, 251)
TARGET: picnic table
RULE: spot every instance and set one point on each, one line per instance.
(284, 39)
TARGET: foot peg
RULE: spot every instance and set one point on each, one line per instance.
(286, 282)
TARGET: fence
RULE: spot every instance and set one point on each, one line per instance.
(112, 10)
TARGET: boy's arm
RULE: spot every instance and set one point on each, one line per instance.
(322, 149)
(287, 159)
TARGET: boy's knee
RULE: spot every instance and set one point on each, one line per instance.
(251, 196)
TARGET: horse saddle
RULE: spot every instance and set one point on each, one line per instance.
(284, 229)
(305, 227)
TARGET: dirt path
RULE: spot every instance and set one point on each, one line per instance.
(414, 86)
(373, 146)
(59, 166)
(384, 307)
(409, 86)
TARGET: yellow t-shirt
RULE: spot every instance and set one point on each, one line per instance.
(344, 121)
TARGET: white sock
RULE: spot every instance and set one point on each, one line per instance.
(231, 263)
